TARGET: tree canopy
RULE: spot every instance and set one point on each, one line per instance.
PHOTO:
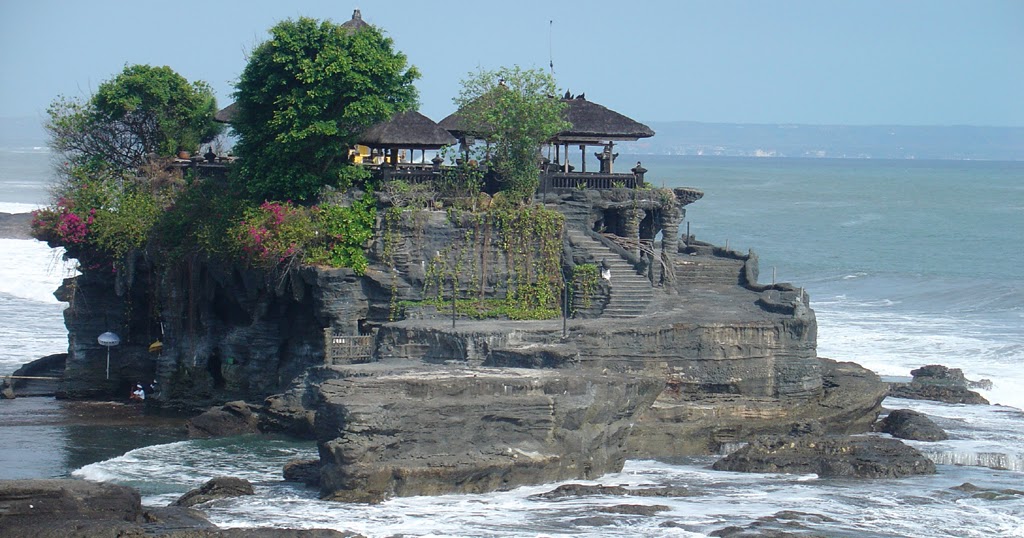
(516, 110)
(144, 110)
(304, 98)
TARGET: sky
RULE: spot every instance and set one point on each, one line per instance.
(866, 62)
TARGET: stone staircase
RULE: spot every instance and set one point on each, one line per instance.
(630, 292)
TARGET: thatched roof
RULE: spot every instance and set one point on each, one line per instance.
(355, 23)
(590, 122)
(593, 122)
(408, 130)
(226, 114)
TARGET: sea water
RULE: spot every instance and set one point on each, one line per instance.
(907, 263)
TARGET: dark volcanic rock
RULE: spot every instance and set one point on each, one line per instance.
(941, 384)
(232, 418)
(634, 509)
(217, 488)
(50, 366)
(988, 494)
(907, 424)
(859, 457)
(580, 490)
(80, 509)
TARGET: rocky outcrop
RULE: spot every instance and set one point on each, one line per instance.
(908, 424)
(40, 377)
(221, 487)
(232, 418)
(80, 509)
(939, 383)
(828, 457)
(394, 430)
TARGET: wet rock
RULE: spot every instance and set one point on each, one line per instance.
(908, 424)
(49, 368)
(305, 471)
(634, 509)
(232, 418)
(988, 494)
(856, 457)
(6, 390)
(594, 521)
(941, 384)
(580, 490)
(216, 488)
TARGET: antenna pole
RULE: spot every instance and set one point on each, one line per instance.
(551, 54)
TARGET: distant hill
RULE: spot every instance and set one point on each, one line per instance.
(836, 141)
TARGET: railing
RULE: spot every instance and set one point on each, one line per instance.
(347, 349)
(587, 180)
(407, 173)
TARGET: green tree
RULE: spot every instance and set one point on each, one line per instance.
(144, 110)
(304, 98)
(516, 110)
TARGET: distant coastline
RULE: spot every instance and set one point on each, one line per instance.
(930, 142)
(832, 141)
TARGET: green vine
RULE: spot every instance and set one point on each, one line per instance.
(584, 283)
(530, 240)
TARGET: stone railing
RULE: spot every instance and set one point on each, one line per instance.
(586, 180)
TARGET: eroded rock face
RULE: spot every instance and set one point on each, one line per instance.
(396, 431)
(852, 457)
(702, 422)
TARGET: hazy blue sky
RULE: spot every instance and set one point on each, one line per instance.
(927, 62)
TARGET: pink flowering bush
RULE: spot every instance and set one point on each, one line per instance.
(273, 233)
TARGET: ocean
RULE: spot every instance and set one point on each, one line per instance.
(907, 263)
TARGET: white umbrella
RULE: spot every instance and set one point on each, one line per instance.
(107, 340)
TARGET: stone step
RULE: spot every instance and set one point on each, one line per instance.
(630, 292)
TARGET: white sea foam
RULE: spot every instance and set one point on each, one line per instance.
(17, 207)
(31, 269)
(893, 341)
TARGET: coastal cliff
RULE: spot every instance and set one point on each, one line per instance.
(673, 349)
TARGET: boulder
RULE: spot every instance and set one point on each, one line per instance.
(941, 384)
(217, 488)
(232, 418)
(844, 456)
(907, 424)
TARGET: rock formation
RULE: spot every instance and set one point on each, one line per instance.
(80, 509)
(852, 457)
(677, 351)
(907, 424)
(941, 384)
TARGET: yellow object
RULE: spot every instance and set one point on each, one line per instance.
(156, 347)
